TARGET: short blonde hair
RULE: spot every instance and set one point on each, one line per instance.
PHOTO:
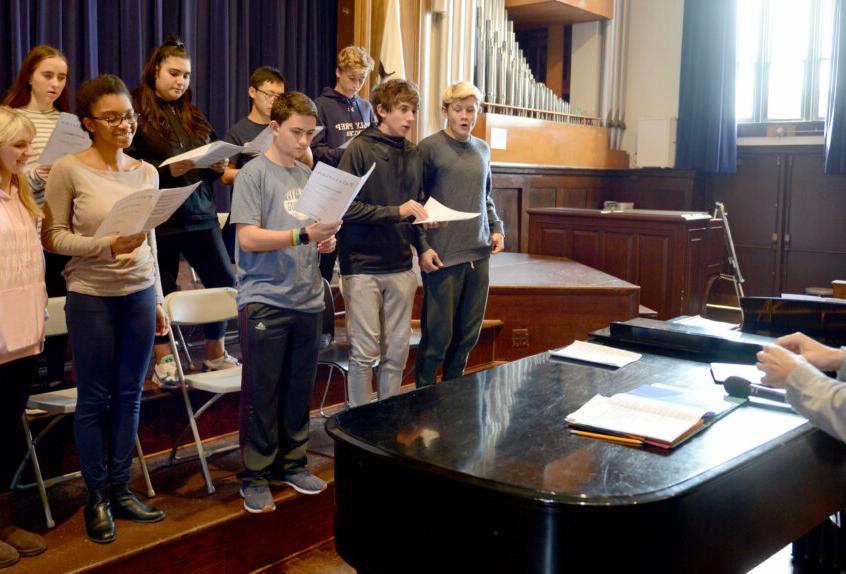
(459, 91)
(355, 58)
(11, 122)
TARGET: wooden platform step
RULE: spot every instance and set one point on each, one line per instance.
(202, 533)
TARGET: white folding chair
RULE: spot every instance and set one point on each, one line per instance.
(58, 404)
(195, 307)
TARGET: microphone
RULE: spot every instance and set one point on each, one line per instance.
(741, 388)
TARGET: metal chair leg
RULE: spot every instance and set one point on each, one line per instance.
(36, 469)
(200, 450)
(146, 473)
(326, 390)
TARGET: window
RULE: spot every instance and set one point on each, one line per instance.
(783, 60)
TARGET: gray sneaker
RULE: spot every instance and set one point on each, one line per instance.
(257, 498)
(304, 482)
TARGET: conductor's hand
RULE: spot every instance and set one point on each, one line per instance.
(327, 245)
(822, 357)
(777, 363)
(180, 168)
(317, 232)
(497, 243)
(126, 243)
(412, 209)
(429, 261)
(162, 321)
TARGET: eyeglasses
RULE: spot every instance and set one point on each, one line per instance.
(272, 95)
(114, 120)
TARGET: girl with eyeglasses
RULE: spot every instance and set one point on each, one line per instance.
(170, 125)
(114, 299)
(40, 94)
(23, 300)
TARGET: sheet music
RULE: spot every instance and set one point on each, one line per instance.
(598, 354)
(143, 210)
(329, 192)
(260, 143)
(206, 155)
(67, 137)
(438, 212)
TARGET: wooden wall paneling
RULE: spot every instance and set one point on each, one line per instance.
(620, 255)
(587, 248)
(654, 274)
(753, 203)
(533, 197)
(815, 242)
(508, 201)
(658, 192)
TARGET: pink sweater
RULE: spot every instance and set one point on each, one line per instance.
(23, 295)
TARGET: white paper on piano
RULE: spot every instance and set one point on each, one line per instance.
(593, 353)
(143, 210)
(439, 212)
(206, 155)
(329, 192)
(67, 137)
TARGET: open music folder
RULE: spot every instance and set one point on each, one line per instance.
(654, 415)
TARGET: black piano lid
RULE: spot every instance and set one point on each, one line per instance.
(503, 429)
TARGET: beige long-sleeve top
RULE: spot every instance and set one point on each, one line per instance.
(77, 199)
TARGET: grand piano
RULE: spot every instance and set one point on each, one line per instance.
(479, 474)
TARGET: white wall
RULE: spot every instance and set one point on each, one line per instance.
(654, 59)
(585, 68)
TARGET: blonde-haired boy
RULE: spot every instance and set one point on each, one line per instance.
(456, 171)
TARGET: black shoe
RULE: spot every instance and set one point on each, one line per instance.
(126, 505)
(99, 523)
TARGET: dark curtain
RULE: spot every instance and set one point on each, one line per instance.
(227, 39)
(706, 139)
(835, 122)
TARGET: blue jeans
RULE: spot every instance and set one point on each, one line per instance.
(112, 340)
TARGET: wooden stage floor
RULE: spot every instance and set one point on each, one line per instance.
(202, 533)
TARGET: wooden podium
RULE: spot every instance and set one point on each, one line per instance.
(674, 256)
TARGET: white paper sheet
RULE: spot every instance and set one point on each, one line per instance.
(260, 143)
(346, 144)
(206, 155)
(439, 212)
(143, 210)
(329, 192)
(598, 354)
(67, 137)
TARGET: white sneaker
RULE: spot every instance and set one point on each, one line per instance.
(164, 373)
(226, 361)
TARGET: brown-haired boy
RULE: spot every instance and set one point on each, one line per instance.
(374, 245)
(280, 301)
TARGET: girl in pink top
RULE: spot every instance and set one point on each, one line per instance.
(23, 300)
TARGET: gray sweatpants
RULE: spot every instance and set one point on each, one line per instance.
(379, 327)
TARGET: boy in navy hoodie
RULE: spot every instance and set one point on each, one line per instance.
(343, 116)
(374, 244)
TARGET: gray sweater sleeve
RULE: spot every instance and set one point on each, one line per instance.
(819, 398)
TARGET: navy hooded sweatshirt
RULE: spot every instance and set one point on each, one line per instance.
(343, 118)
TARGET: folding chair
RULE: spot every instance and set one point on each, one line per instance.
(58, 404)
(192, 308)
(334, 355)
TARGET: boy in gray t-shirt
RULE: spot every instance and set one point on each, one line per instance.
(280, 302)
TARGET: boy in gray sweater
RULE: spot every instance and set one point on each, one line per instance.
(456, 172)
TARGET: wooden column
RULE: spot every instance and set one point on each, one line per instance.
(555, 58)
